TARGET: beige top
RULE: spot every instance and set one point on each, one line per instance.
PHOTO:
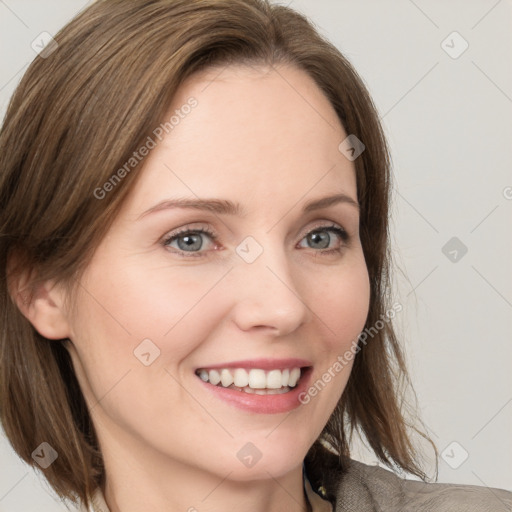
(318, 504)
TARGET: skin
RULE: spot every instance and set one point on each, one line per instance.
(267, 138)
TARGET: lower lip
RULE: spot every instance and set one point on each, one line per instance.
(263, 404)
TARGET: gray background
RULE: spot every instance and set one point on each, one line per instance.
(448, 121)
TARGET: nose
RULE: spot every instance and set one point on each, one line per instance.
(267, 295)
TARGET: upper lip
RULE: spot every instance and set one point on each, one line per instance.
(264, 364)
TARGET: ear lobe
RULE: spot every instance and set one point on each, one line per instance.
(43, 306)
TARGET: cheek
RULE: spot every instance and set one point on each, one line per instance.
(342, 305)
(134, 302)
(118, 312)
(342, 308)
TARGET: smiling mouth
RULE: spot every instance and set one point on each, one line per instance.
(254, 381)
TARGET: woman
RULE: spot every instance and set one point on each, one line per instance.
(175, 338)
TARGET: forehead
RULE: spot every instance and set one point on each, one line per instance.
(270, 104)
(253, 132)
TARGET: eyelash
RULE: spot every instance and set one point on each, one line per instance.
(333, 228)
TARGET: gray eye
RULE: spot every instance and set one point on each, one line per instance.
(319, 237)
(190, 242)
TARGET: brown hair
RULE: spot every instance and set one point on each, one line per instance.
(76, 117)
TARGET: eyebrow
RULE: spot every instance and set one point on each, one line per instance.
(226, 207)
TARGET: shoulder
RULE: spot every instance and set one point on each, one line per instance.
(384, 490)
(354, 485)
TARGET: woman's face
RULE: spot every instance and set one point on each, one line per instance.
(177, 297)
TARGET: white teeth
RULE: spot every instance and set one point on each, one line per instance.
(294, 377)
(279, 391)
(241, 378)
(226, 379)
(274, 379)
(214, 377)
(272, 391)
(254, 380)
(257, 379)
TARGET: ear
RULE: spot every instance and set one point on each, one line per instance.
(42, 304)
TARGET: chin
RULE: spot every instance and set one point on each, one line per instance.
(257, 457)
